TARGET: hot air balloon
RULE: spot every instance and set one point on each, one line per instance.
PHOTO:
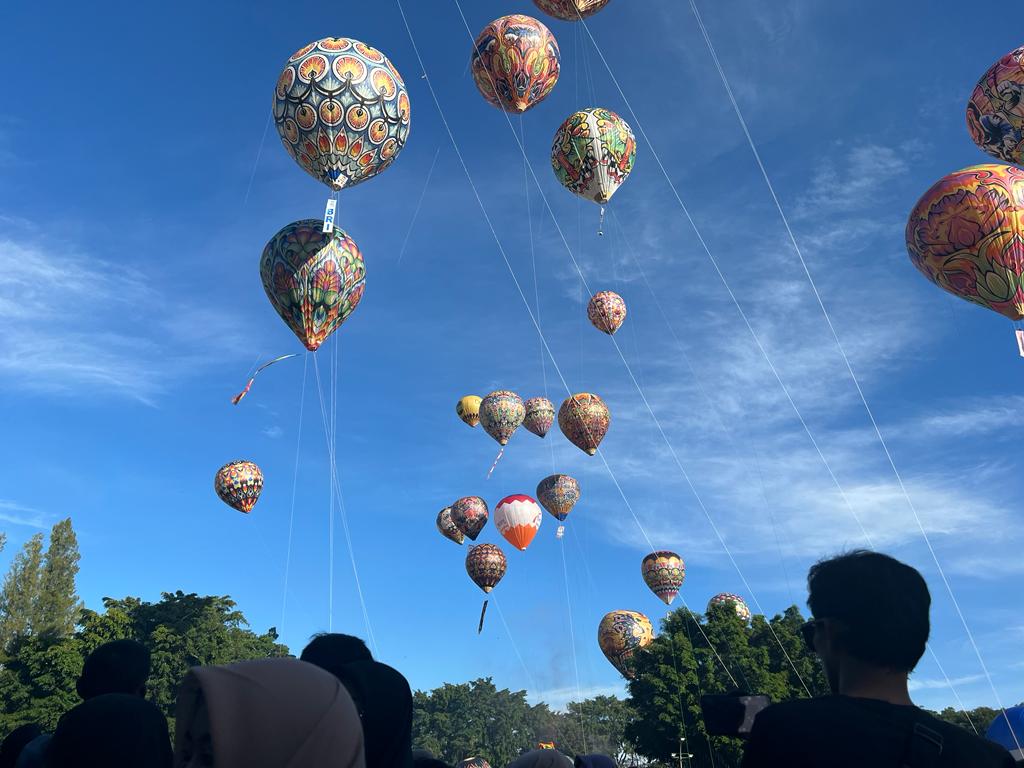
(515, 63)
(238, 484)
(995, 112)
(607, 311)
(966, 235)
(468, 409)
(473, 762)
(485, 564)
(447, 526)
(558, 494)
(501, 413)
(727, 598)
(518, 519)
(540, 415)
(313, 280)
(584, 419)
(570, 10)
(593, 153)
(620, 635)
(663, 572)
(470, 515)
(342, 111)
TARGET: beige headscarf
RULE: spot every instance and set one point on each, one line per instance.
(272, 713)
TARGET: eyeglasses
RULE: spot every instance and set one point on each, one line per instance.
(807, 630)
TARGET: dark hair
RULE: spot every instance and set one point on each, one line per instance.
(331, 651)
(16, 741)
(882, 604)
(120, 666)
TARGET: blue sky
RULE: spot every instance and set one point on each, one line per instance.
(136, 196)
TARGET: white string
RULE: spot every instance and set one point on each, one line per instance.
(256, 162)
(295, 485)
(529, 675)
(416, 213)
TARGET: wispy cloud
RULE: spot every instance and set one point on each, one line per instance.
(18, 514)
(926, 683)
(273, 432)
(558, 698)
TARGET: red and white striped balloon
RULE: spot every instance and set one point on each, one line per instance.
(518, 518)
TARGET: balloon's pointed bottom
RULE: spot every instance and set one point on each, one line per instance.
(591, 451)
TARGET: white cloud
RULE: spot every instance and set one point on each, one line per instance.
(273, 432)
(18, 514)
(558, 698)
(925, 684)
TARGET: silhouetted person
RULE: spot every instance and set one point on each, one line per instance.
(542, 758)
(114, 730)
(870, 626)
(594, 761)
(329, 650)
(16, 741)
(120, 666)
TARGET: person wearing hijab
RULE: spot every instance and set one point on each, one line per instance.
(541, 758)
(115, 730)
(594, 761)
(269, 713)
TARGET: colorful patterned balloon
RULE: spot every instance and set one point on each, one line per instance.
(518, 519)
(515, 63)
(995, 113)
(468, 409)
(966, 235)
(313, 280)
(607, 311)
(342, 111)
(584, 419)
(558, 494)
(501, 413)
(473, 762)
(570, 10)
(663, 572)
(486, 564)
(470, 515)
(593, 153)
(447, 526)
(238, 484)
(621, 634)
(540, 415)
(727, 598)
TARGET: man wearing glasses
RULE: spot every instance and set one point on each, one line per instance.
(870, 628)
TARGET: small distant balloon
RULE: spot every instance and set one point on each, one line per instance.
(239, 484)
(473, 762)
(447, 526)
(593, 153)
(570, 10)
(470, 515)
(518, 518)
(995, 112)
(468, 409)
(621, 634)
(558, 494)
(663, 572)
(515, 63)
(540, 415)
(607, 311)
(584, 419)
(501, 413)
(737, 603)
(486, 564)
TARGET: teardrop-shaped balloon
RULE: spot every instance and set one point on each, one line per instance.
(570, 10)
(515, 63)
(518, 518)
(468, 409)
(313, 280)
(621, 634)
(447, 526)
(584, 419)
(501, 413)
(737, 603)
(540, 415)
(486, 564)
(663, 572)
(995, 112)
(470, 515)
(607, 311)
(593, 153)
(558, 494)
(238, 484)
(966, 235)
(342, 111)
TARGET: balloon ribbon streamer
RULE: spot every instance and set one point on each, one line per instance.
(496, 460)
(238, 398)
(483, 612)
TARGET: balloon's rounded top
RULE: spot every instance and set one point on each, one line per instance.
(1007, 730)
(570, 10)
(995, 111)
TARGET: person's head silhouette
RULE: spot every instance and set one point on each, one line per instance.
(332, 650)
(120, 666)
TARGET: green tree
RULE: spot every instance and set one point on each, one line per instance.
(58, 604)
(20, 594)
(596, 725)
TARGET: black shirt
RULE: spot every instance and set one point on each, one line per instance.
(839, 731)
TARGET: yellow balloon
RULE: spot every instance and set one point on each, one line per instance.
(468, 409)
(621, 634)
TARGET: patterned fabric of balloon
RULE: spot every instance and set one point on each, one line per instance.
(540, 415)
(966, 235)
(486, 564)
(313, 280)
(995, 112)
(570, 10)
(593, 153)
(515, 63)
(621, 634)
(558, 494)
(473, 762)
(584, 419)
(447, 526)
(501, 413)
(470, 515)
(342, 111)
(468, 409)
(606, 311)
(727, 598)
(518, 518)
(663, 572)
(238, 484)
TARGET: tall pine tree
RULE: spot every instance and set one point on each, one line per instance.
(20, 594)
(59, 608)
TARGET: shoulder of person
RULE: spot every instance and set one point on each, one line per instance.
(962, 743)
